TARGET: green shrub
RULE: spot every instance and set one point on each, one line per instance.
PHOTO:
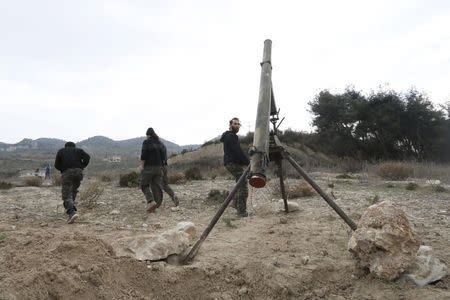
(394, 170)
(5, 185)
(193, 173)
(129, 180)
(33, 181)
(411, 186)
(439, 188)
(217, 195)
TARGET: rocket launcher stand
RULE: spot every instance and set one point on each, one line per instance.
(266, 148)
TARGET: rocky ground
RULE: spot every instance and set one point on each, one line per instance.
(269, 255)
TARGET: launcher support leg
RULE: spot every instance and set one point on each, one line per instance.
(282, 187)
(327, 198)
(216, 217)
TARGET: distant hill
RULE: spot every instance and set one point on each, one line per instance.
(97, 145)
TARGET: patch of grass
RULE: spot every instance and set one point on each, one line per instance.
(193, 173)
(229, 222)
(56, 179)
(394, 170)
(5, 185)
(2, 237)
(373, 200)
(33, 181)
(301, 189)
(390, 185)
(217, 195)
(331, 185)
(129, 180)
(344, 176)
(176, 178)
(90, 195)
(439, 188)
(411, 186)
(106, 177)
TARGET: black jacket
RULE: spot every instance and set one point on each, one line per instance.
(153, 153)
(71, 157)
(232, 150)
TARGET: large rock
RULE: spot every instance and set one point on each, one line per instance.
(384, 241)
(156, 247)
(426, 268)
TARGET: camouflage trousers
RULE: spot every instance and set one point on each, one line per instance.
(242, 194)
(165, 184)
(70, 181)
(151, 182)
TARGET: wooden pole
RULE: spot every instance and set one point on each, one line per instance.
(215, 219)
(327, 198)
(282, 187)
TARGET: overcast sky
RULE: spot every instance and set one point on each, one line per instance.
(75, 69)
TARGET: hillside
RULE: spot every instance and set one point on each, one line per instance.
(97, 145)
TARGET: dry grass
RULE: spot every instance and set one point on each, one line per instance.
(106, 177)
(394, 170)
(5, 185)
(56, 179)
(33, 181)
(301, 189)
(193, 173)
(90, 194)
(176, 178)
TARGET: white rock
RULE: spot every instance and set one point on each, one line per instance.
(156, 247)
(426, 268)
(292, 206)
(384, 241)
(114, 212)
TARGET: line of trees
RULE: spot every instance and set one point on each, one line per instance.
(381, 125)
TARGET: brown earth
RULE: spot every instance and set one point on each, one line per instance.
(270, 255)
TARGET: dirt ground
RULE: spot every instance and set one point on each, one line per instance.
(269, 255)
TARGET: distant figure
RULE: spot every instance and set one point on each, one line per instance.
(152, 160)
(47, 172)
(71, 161)
(235, 160)
(165, 180)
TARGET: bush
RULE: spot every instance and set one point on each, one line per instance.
(33, 181)
(129, 180)
(193, 173)
(5, 185)
(89, 195)
(394, 171)
(217, 195)
(302, 189)
(176, 178)
(106, 177)
(411, 186)
(56, 179)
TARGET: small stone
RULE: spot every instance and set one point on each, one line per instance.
(175, 208)
(271, 231)
(144, 225)
(44, 224)
(305, 260)
(13, 227)
(243, 291)
(157, 225)
(324, 253)
(114, 212)
(283, 220)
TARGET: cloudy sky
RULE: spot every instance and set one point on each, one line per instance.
(75, 69)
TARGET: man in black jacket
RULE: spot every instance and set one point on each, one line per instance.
(235, 161)
(152, 161)
(71, 161)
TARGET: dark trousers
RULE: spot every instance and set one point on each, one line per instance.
(165, 184)
(151, 181)
(70, 180)
(242, 194)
